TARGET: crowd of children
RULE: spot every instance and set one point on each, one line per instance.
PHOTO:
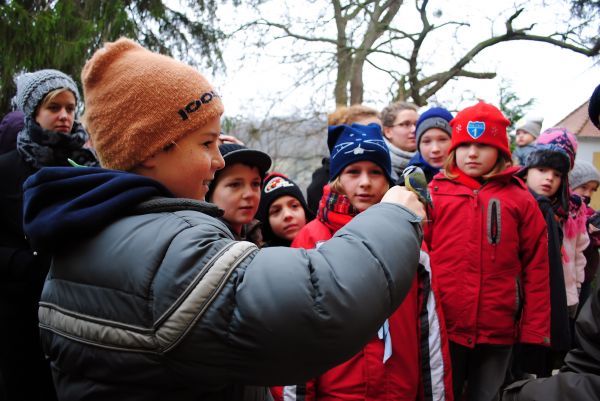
(184, 269)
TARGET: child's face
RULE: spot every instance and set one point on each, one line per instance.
(188, 166)
(524, 138)
(364, 184)
(237, 192)
(587, 190)
(402, 133)
(543, 180)
(434, 147)
(57, 114)
(476, 159)
(286, 217)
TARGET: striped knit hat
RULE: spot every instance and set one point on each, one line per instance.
(32, 87)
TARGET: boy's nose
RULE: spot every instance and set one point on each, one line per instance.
(217, 160)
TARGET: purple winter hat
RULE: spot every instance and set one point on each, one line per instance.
(10, 126)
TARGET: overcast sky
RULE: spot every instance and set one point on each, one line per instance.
(559, 80)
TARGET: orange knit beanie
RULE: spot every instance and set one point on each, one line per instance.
(137, 102)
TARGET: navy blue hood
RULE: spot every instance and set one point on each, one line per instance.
(62, 204)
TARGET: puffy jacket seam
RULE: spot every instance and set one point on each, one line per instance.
(159, 338)
(216, 292)
(191, 286)
(94, 319)
(79, 283)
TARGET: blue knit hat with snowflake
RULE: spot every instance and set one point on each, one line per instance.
(354, 143)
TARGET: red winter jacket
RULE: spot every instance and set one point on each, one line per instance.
(408, 374)
(489, 257)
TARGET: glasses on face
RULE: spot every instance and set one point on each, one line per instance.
(404, 124)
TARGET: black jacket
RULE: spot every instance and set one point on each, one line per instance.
(579, 378)
(560, 337)
(22, 365)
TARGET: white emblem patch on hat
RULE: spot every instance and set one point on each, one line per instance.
(276, 183)
(475, 129)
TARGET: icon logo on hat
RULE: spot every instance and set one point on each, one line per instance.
(276, 183)
(475, 129)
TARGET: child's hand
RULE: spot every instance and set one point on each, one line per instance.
(403, 197)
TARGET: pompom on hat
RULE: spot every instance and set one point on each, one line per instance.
(436, 117)
(32, 87)
(562, 138)
(354, 143)
(482, 123)
(137, 102)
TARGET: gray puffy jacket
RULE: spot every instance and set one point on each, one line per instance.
(163, 304)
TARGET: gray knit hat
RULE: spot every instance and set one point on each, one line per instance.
(583, 172)
(33, 86)
(532, 125)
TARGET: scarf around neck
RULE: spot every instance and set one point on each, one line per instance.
(44, 148)
(335, 210)
(400, 158)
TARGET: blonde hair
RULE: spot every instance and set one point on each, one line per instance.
(336, 186)
(351, 114)
(502, 163)
(50, 96)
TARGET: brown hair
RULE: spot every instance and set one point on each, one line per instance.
(390, 112)
(502, 163)
(351, 114)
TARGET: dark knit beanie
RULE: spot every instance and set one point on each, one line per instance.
(436, 117)
(482, 123)
(233, 154)
(275, 186)
(594, 107)
(354, 143)
(32, 87)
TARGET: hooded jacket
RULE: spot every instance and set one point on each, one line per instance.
(407, 359)
(489, 256)
(149, 297)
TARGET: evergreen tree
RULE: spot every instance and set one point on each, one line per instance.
(63, 34)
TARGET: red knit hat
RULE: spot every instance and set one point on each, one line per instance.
(482, 123)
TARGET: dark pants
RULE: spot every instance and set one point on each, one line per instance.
(483, 367)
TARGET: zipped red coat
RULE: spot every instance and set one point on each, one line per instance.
(489, 256)
(419, 365)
